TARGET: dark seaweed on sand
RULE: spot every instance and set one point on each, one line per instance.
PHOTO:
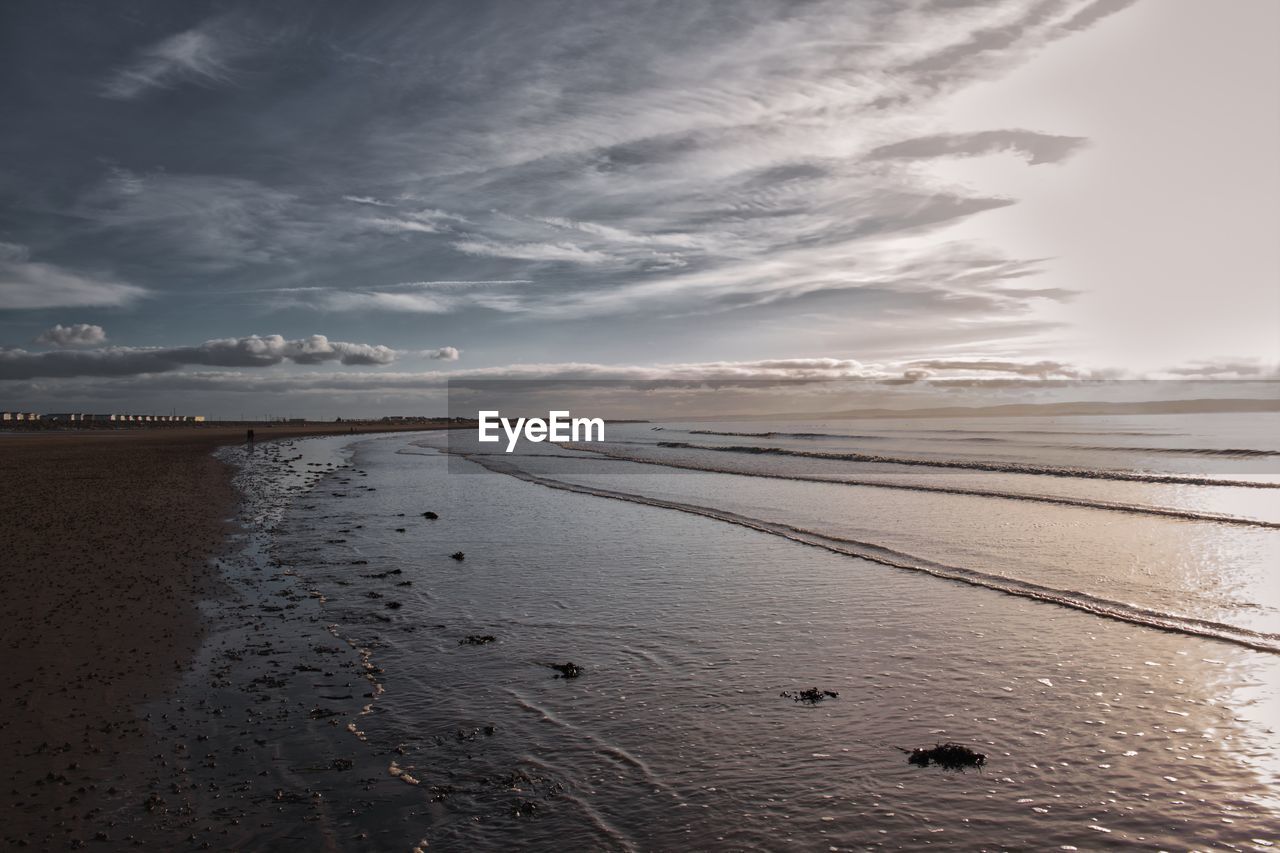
(477, 640)
(524, 808)
(459, 556)
(812, 696)
(948, 756)
(566, 670)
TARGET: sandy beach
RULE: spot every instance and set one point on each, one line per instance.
(106, 542)
(362, 643)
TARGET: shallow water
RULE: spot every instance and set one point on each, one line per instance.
(1099, 732)
(340, 709)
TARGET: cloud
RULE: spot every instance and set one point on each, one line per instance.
(394, 226)
(369, 200)
(26, 284)
(200, 56)
(1042, 369)
(443, 354)
(1227, 368)
(750, 373)
(421, 301)
(75, 335)
(273, 349)
(420, 221)
(251, 351)
(636, 168)
(211, 223)
(563, 252)
(1037, 148)
(218, 223)
(126, 362)
(1093, 12)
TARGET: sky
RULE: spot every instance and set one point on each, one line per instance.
(329, 209)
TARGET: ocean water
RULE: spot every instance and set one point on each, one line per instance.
(1091, 602)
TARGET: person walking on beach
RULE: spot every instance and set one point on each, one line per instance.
(248, 436)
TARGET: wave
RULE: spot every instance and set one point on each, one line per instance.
(789, 434)
(1105, 608)
(1052, 432)
(1230, 452)
(1056, 500)
(975, 465)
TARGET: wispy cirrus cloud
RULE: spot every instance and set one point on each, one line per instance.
(201, 56)
(199, 222)
(683, 174)
(365, 199)
(1043, 369)
(418, 297)
(689, 153)
(766, 135)
(422, 220)
(1227, 368)
(28, 284)
(564, 252)
(1037, 148)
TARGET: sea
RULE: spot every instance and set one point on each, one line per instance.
(1092, 603)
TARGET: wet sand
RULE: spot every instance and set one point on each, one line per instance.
(107, 539)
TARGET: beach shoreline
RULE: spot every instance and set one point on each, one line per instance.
(329, 697)
(110, 539)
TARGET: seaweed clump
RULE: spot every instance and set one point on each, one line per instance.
(566, 670)
(948, 756)
(477, 640)
(812, 696)
(430, 516)
(459, 556)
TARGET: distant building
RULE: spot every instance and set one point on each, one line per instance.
(98, 418)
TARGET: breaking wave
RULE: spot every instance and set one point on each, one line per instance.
(1106, 608)
(978, 465)
(1057, 500)
(1227, 452)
